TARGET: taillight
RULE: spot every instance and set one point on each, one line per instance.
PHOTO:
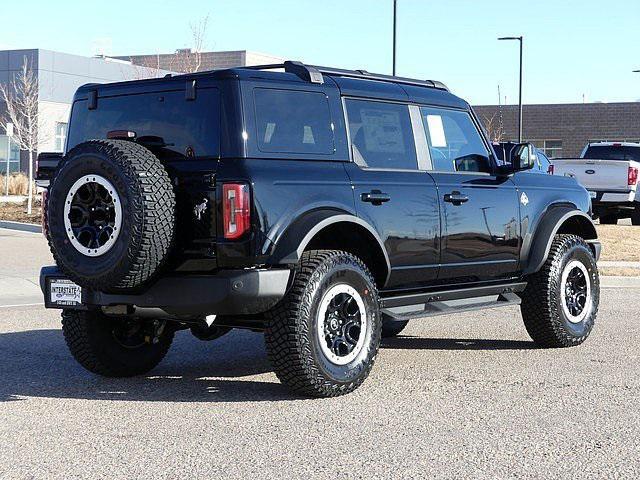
(43, 215)
(632, 176)
(550, 170)
(236, 210)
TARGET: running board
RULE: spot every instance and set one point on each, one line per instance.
(407, 307)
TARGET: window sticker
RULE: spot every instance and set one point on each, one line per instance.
(436, 131)
(382, 131)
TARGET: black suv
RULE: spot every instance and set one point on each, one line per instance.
(325, 207)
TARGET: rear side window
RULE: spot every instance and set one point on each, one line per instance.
(381, 135)
(612, 152)
(186, 128)
(454, 142)
(290, 121)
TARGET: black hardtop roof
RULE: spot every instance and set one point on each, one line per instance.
(358, 83)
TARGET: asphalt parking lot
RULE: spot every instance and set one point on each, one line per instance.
(454, 396)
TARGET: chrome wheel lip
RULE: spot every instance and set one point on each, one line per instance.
(102, 249)
(565, 294)
(321, 318)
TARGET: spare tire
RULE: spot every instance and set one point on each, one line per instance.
(111, 215)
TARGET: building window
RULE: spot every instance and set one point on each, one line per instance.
(551, 148)
(61, 136)
(14, 156)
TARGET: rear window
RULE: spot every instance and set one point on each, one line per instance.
(291, 121)
(191, 126)
(612, 152)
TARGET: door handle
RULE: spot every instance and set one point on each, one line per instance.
(376, 197)
(456, 198)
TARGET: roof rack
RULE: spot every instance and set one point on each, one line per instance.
(313, 73)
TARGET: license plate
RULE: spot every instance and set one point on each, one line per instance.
(593, 194)
(64, 292)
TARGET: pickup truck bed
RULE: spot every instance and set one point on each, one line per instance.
(612, 181)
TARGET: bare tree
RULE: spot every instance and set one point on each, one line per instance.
(493, 127)
(189, 60)
(21, 99)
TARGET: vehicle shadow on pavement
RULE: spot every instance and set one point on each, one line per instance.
(36, 363)
(420, 343)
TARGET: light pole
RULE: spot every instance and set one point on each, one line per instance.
(9, 128)
(395, 10)
(520, 88)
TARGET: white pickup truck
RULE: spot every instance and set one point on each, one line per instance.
(609, 170)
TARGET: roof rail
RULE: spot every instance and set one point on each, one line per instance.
(313, 73)
(339, 72)
(305, 72)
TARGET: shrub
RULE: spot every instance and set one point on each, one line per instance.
(18, 184)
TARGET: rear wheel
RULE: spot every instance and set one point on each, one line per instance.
(115, 346)
(611, 219)
(635, 216)
(323, 337)
(560, 303)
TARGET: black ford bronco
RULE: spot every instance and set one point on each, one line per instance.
(325, 207)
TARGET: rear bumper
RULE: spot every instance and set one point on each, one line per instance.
(607, 198)
(227, 292)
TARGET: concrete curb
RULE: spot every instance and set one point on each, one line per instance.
(21, 227)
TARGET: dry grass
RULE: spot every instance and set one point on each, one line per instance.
(17, 212)
(620, 243)
(18, 184)
(619, 272)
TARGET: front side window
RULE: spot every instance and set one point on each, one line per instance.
(291, 121)
(454, 142)
(381, 135)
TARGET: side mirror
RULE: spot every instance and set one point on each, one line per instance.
(523, 157)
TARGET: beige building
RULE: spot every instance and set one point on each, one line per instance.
(185, 60)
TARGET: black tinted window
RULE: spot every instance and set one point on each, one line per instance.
(454, 142)
(381, 135)
(181, 125)
(613, 152)
(290, 121)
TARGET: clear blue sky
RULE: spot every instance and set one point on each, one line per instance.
(572, 47)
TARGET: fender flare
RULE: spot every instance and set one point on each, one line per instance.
(547, 229)
(294, 240)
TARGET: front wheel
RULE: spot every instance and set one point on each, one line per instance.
(115, 346)
(323, 337)
(560, 304)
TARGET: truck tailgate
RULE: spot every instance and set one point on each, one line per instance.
(610, 175)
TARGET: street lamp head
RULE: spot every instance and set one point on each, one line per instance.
(636, 71)
(510, 38)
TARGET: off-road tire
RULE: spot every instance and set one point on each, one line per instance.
(391, 328)
(148, 215)
(542, 307)
(91, 341)
(609, 220)
(291, 330)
